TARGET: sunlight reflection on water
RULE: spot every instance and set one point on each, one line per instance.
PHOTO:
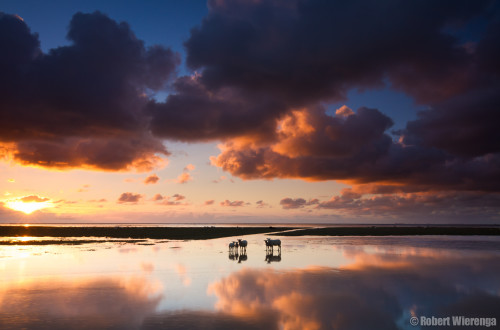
(316, 282)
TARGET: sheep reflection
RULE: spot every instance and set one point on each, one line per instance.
(270, 257)
(234, 255)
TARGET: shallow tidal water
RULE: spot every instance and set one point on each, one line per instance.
(314, 283)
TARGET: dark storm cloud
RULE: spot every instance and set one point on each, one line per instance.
(465, 125)
(264, 69)
(193, 113)
(104, 153)
(315, 146)
(442, 206)
(87, 97)
(310, 50)
(259, 62)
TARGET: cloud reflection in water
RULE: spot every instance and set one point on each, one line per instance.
(376, 287)
(84, 304)
(376, 291)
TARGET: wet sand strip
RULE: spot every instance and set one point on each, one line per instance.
(393, 231)
(175, 233)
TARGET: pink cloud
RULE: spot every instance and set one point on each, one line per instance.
(184, 177)
(232, 204)
(128, 197)
(152, 179)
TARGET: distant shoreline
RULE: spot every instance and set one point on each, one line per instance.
(209, 232)
(175, 233)
(394, 231)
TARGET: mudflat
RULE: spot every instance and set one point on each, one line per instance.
(137, 232)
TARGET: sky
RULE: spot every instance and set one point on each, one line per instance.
(249, 111)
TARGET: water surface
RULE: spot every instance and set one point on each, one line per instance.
(315, 283)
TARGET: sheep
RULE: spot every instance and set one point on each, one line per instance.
(270, 243)
(242, 244)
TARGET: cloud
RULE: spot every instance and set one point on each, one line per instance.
(80, 105)
(169, 200)
(222, 178)
(290, 203)
(209, 202)
(33, 198)
(313, 145)
(260, 79)
(158, 197)
(232, 204)
(194, 113)
(463, 125)
(344, 111)
(261, 204)
(417, 207)
(300, 51)
(128, 197)
(178, 197)
(184, 177)
(264, 75)
(152, 179)
(102, 200)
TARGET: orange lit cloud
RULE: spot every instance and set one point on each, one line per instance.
(84, 111)
(184, 178)
(75, 305)
(381, 287)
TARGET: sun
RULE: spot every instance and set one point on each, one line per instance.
(28, 207)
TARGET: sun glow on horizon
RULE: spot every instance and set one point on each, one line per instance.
(28, 207)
